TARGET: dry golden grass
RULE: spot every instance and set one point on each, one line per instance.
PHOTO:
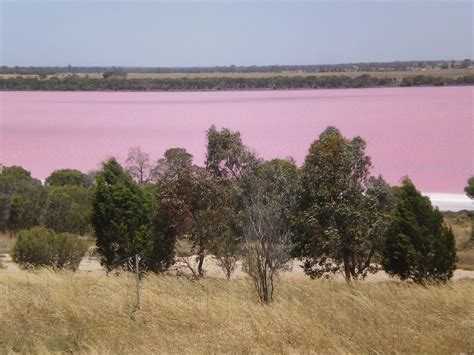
(6, 243)
(86, 312)
(461, 224)
(399, 75)
(466, 259)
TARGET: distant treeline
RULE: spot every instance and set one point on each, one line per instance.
(429, 80)
(373, 66)
(114, 83)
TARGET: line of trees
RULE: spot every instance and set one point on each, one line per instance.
(115, 82)
(429, 80)
(62, 204)
(330, 213)
(371, 66)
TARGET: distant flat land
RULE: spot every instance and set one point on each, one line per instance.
(398, 74)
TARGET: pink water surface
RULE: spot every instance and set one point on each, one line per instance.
(425, 133)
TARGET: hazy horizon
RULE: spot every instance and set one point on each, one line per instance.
(203, 34)
(227, 66)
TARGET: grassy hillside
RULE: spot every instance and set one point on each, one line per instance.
(89, 312)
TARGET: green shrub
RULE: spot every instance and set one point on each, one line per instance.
(68, 251)
(418, 245)
(32, 247)
(38, 247)
(67, 209)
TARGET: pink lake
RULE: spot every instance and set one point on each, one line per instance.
(425, 133)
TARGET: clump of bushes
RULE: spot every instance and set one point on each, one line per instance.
(41, 247)
(418, 245)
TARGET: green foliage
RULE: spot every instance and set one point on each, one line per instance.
(418, 246)
(63, 205)
(269, 197)
(161, 248)
(120, 215)
(41, 247)
(423, 80)
(469, 189)
(330, 213)
(194, 201)
(308, 68)
(66, 177)
(119, 74)
(173, 162)
(32, 247)
(115, 83)
(342, 212)
(21, 197)
(68, 209)
(227, 156)
(16, 173)
(68, 250)
(227, 160)
(429, 80)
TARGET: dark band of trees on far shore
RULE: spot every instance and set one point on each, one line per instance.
(116, 82)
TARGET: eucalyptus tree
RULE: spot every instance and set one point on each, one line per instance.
(227, 156)
(227, 160)
(268, 203)
(343, 212)
(174, 161)
(195, 202)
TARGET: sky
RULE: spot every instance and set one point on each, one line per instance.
(259, 32)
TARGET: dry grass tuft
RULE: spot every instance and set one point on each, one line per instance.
(461, 224)
(90, 312)
(466, 259)
(6, 243)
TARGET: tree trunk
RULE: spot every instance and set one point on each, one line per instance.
(265, 293)
(200, 262)
(353, 267)
(347, 266)
(227, 273)
(137, 280)
(265, 296)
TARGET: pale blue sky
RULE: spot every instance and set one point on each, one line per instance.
(192, 33)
